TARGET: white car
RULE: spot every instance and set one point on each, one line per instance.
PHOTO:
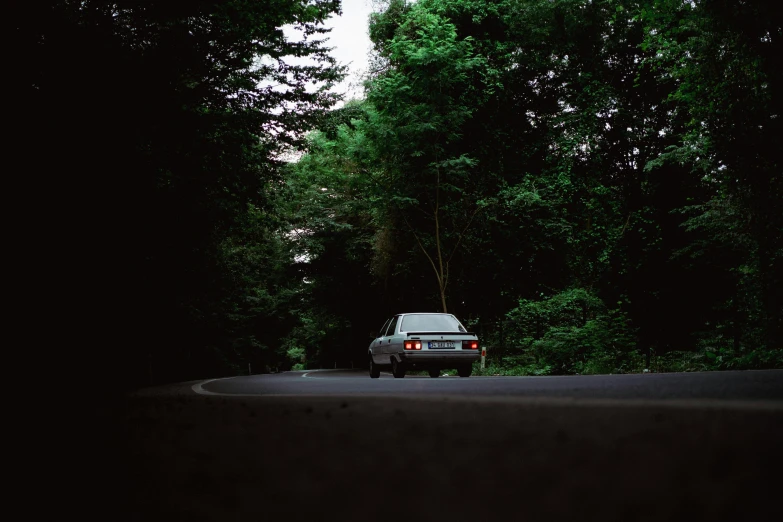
(423, 341)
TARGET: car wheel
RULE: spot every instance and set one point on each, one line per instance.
(398, 370)
(434, 374)
(465, 371)
(375, 371)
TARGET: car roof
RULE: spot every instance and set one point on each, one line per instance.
(425, 313)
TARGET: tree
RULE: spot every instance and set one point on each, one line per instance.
(330, 213)
(730, 54)
(423, 100)
(163, 123)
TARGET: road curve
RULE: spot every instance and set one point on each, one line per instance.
(341, 446)
(725, 386)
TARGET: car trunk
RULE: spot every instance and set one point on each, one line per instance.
(441, 340)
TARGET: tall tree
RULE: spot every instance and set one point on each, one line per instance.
(423, 99)
(726, 60)
(164, 122)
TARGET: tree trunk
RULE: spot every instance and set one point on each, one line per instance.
(441, 275)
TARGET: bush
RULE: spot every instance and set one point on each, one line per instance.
(711, 358)
(511, 370)
(573, 332)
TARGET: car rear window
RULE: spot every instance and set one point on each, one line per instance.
(430, 323)
(392, 326)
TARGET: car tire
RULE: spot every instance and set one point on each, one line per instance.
(398, 369)
(375, 371)
(434, 374)
(465, 371)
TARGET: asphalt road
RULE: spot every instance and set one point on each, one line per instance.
(337, 445)
(731, 386)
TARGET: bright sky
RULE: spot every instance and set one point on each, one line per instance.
(350, 42)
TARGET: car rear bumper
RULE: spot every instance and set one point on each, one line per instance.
(439, 358)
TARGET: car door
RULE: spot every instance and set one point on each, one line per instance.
(390, 340)
(377, 345)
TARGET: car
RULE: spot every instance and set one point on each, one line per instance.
(423, 341)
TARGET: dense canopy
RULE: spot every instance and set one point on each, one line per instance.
(590, 185)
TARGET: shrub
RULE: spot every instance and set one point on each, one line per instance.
(572, 332)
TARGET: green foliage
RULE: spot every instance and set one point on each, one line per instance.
(716, 359)
(542, 159)
(170, 120)
(432, 85)
(725, 59)
(512, 370)
(552, 172)
(296, 354)
(572, 332)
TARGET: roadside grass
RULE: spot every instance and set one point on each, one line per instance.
(425, 373)
(706, 359)
(712, 359)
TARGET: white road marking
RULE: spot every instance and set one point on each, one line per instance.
(308, 372)
(198, 386)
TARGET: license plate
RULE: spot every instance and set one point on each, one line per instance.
(441, 344)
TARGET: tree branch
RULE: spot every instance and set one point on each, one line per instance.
(462, 234)
(626, 224)
(422, 249)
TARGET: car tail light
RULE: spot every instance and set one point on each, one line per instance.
(470, 345)
(413, 345)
